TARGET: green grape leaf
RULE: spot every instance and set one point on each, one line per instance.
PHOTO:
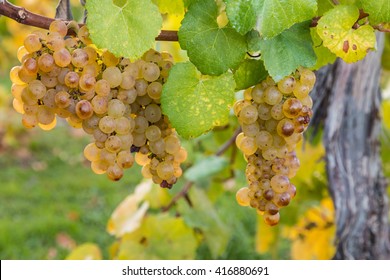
(324, 6)
(204, 216)
(339, 37)
(194, 103)
(283, 54)
(249, 73)
(242, 14)
(173, 7)
(324, 55)
(212, 49)
(160, 237)
(206, 168)
(378, 10)
(127, 31)
(278, 15)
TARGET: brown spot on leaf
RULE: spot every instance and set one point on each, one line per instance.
(354, 47)
(346, 46)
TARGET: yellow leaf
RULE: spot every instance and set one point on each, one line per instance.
(159, 237)
(86, 251)
(313, 235)
(129, 213)
(339, 36)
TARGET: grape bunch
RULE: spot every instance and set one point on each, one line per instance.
(273, 117)
(113, 99)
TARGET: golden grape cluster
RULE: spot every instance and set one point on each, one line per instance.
(273, 117)
(115, 100)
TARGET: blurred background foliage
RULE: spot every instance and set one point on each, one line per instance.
(52, 206)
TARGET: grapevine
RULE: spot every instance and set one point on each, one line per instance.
(273, 117)
(113, 99)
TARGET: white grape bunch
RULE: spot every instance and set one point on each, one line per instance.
(115, 100)
(273, 117)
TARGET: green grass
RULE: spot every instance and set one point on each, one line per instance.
(49, 189)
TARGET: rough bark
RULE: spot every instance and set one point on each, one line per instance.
(349, 96)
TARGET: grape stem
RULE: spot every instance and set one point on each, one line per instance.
(23, 16)
(184, 192)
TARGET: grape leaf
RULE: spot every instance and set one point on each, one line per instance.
(204, 216)
(128, 214)
(206, 168)
(194, 103)
(249, 73)
(212, 49)
(242, 14)
(378, 10)
(127, 31)
(159, 237)
(339, 37)
(324, 6)
(173, 7)
(324, 55)
(283, 54)
(278, 15)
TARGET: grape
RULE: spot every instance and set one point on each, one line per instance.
(154, 90)
(37, 89)
(84, 109)
(286, 85)
(55, 41)
(72, 79)
(114, 172)
(107, 124)
(31, 66)
(248, 114)
(141, 87)
(99, 104)
(112, 75)
(165, 170)
(172, 144)
(45, 115)
(113, 144)
(87, 82)
(285, 127)
(32, 43)
(264, 139)
(153, 133)
(272, 95)
(242, 197)
(62, 57)
(62, 99)
(128, 81)
(102, 87)
(123, 125)
(79, 58)
(92, 152)
(292, 107)
(125, 159)
(153, 113)
(150, 72)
